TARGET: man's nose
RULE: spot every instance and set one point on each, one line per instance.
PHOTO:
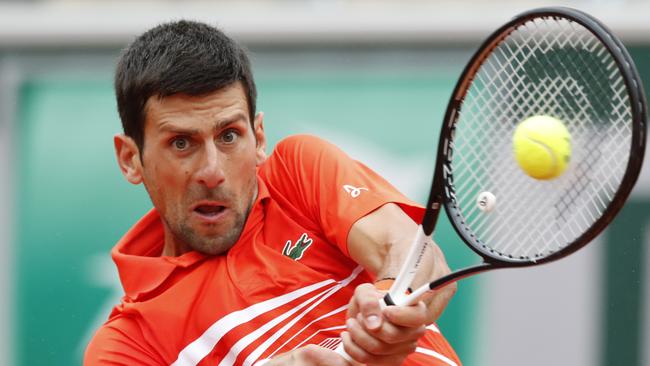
(210, 173)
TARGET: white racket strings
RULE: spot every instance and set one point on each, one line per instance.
(546, 66)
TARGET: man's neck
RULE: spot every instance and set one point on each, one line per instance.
(172, 246)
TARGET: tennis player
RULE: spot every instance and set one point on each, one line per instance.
(249, 259)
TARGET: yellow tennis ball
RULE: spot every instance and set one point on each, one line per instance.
(542, 146)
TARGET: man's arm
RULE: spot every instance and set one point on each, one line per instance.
(380, 242)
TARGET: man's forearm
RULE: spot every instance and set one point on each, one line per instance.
(380, 241)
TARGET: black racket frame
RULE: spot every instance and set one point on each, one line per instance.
(442, 189)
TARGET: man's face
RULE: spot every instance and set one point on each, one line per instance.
(199, 167)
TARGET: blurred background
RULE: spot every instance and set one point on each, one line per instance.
(372, 76)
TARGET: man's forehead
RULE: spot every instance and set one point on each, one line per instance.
(232, 94)
(222, 106)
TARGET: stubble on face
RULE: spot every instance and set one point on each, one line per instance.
(216, 240)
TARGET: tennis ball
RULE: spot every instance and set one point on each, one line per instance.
(542, 146)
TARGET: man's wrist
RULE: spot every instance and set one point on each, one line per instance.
(384, 284)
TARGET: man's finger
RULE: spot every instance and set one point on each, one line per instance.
(402, 342)
(319, 356)
(407, 316)
(310, 355)
(367, 301)
(390, 333)
(366, 358)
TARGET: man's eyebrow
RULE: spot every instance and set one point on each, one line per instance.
(229, 120)
(170, 127)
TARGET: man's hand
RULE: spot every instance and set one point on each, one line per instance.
(382, 337)
(310, 355)
(380, 242)
(437, 300)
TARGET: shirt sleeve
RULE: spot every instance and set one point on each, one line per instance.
(120, 342)
(322, 183)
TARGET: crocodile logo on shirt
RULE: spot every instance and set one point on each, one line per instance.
(295, 252)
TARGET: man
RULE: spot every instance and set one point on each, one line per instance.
(247, 259)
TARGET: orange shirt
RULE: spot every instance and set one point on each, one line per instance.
(285, 283)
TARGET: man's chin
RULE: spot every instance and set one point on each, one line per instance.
(213, 242)
(211, 236)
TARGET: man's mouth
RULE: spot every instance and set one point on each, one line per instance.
(209, 209)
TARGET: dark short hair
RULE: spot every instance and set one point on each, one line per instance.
(181, 57)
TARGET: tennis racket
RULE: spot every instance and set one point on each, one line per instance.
(556, 62)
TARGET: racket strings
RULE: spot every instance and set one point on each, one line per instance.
(570, 199)
(592, 156)
(543, 67)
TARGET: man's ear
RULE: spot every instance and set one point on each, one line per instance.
(128, 158)
(260, 138)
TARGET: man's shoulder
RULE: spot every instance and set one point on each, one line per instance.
(301, 159)
(306, 151)
(301, 142)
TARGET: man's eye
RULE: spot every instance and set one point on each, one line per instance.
(229, 137)
(180, 143)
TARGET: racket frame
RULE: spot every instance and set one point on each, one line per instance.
(442, 188)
